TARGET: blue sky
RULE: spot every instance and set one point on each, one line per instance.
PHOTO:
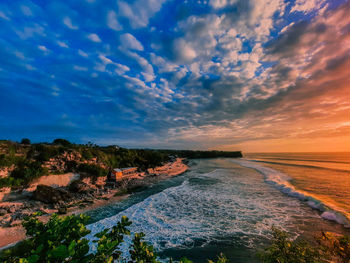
(167, 74)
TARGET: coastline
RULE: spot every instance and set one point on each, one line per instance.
(9, 236)
(283, 182)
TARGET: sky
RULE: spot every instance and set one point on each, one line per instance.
(250, 75)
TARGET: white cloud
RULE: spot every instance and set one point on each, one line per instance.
(44, 49)
(79, 68)
(94, 37)
(20, 55)
(29, 32)
(112, 21)
(221, 3)
(3, 16)
(68, 22)
(120, 69)
(162, 64)
(261, 17)
(307, 6)
(26, 10)
(139, 12)
(62, 44)
(82, 53)
(148, 72)
(128, 41)
(184, 50)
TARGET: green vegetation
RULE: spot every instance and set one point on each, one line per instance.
(336, 246)
(26, 171)
(30, 161)
(285, 250)
(62, 142)
(329, 248)
(62, 239)
(25, 141)
(93, 169)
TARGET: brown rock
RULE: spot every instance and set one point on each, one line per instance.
(80, 187)
(3, 212)
(11, 209)
(62, 210)
(51, 195)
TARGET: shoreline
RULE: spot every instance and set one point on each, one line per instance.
(10, 236)
(326, 210)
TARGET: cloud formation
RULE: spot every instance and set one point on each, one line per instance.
(191, 74)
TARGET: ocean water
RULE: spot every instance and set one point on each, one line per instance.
(322, 179)
(229, 206)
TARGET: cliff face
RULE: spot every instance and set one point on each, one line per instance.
(67, 160)
(6, 171)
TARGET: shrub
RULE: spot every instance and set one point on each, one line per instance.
(10, 182)
(62, 142)
(7, 160)
(44, 153)
(285, 250)
(62, 239)
(337, 246)
(25, 141)
(27, 171)
(86, 154)
(92, 169)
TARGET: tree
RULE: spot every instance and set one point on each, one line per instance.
(62, 142)
(25, 141)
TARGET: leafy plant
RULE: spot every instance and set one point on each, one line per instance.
(284, 250)
(141, 251)
(62, 239)
(25, 141)
(337, 246)
(26, 171)
(92, 169)
(62, 142)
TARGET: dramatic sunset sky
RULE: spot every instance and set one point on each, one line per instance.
(254, 75)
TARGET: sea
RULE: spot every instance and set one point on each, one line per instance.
(230, 205)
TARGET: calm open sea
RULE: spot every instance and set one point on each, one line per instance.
(229, 205)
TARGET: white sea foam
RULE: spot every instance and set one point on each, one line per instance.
(281, 182)
(212, 207)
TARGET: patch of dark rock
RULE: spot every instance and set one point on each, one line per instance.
(62, 210)
(3, 212)
(80, 187)
(51, 195)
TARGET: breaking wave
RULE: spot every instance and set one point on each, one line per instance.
(282, 182)
(219, 206)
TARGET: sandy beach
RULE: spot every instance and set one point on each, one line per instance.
(14, 233)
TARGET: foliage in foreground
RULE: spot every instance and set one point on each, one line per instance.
(62, 239)
(330, 247)
(285, 250)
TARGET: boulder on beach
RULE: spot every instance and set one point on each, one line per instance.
(80, 187)
(50, 195)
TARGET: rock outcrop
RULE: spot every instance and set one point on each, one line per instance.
(80, 187)
(51, 195)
